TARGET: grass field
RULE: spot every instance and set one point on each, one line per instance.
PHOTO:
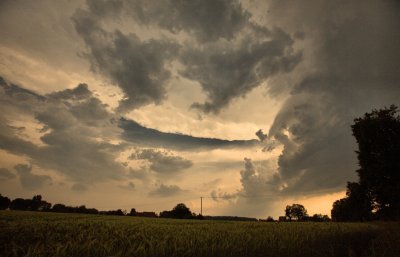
(51, 234)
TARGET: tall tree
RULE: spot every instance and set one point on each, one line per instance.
(378, 137)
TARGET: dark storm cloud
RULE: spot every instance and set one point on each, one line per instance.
(229, 55)
(72, 122)
(260, 134)
(166, 191)
(15, 91)
(162, 162)
(6, 174)
(139, 135)
(218, 195)
(136, 66)
(207, 20)
(29, 180)
(227, 71)
(75, 133)
(80, 92)
(355, 52)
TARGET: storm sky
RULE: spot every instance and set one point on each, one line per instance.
(146, 104)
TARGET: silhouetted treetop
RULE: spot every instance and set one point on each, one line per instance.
(378, 137)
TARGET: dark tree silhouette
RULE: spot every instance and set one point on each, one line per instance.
(4, 202)
(20, 204)
(357, 206)
(132, 212)
(296, 211)
(378, 137)
(59, 207)
(180, 211)
(37, 204)
(319, 218)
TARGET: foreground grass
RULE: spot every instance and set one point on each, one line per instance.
(51, 234)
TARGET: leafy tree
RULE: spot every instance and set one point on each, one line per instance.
(296, 211)
(20, 204)
(4, 202)
(378, 137)
(37, 204)
(132, 212)
(356, 206)
(180, 211)
(59, 207)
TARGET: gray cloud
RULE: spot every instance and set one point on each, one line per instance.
(162, 162)
(219, 195)
(230, 70)
(81, 92)
(258, 181)
(75, 133)
(231, 54)
(6, 174)
(17, 92)
(354, 51)
(206, 20)
(72, 120)
(142, 136)
(29, 180)
(166, 191)
(136, 66)
(260, 134)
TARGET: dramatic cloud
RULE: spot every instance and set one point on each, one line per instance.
(166, 191)
(6, 174)
(306, 69)
(207, 20)
(143, 136)
(29, 180)
(75, 129)
(136, 66)
(162, 162)
(231, 55)
(353, 71)
(259, 180)
(228, 70)
(260, 134)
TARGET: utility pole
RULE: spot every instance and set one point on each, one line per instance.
(201, 205)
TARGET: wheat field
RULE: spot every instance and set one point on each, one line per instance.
(53, 234)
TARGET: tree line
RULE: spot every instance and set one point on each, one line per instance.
(376, 195)
(180, 211)
(295, 212)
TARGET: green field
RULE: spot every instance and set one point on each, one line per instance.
(51, 234)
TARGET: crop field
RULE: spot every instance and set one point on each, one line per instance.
(53, 234)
